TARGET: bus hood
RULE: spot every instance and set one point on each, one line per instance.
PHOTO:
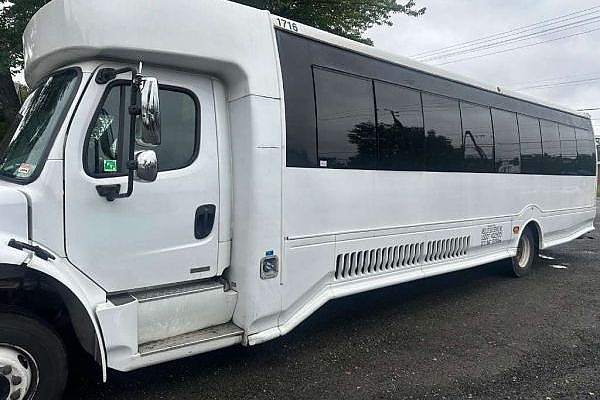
(13, 215)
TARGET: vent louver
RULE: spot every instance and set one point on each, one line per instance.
(368, 262)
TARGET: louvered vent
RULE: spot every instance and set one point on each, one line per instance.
(369, 262)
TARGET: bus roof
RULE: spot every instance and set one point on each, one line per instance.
(232, 41)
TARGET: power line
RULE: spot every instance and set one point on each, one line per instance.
(589, 109)
(556, 84)
(546, 32)
(521, 47)
(517, 30)
(553, 80)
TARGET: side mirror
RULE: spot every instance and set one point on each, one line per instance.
(149, 113)
(147, 166)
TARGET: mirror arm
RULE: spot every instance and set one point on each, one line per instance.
(106, 75)
(109, 191)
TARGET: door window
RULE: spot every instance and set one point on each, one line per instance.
(108, 138)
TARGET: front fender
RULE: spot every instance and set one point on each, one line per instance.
(72, 284)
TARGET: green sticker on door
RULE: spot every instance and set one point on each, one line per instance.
(110, 165)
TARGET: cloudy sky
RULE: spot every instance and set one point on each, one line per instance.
(576, 58)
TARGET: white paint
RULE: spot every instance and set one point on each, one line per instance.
(545, 257)
(13, 204)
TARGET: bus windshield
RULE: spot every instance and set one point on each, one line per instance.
(25, 147)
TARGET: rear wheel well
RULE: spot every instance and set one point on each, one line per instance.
(534, 227)
(33, 293)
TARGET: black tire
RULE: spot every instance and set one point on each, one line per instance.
(44, 347)
(527, 251)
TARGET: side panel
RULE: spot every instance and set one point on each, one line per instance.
(257, 158)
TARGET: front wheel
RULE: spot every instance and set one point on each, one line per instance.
(526, 254)
(33, 363)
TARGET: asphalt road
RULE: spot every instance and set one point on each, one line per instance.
(472, 334)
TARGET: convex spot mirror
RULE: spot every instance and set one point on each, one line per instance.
(147, 166)
(149, 131)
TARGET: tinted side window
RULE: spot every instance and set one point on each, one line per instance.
(478, 138)
(296, 71)
(399, 128)
(506, 137)
(443, 137)
(531, 145)
(551, 147)
(568, 145)
(107, 147)
(586, 152)
(345, 121)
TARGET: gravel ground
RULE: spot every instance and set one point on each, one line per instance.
(473, 334)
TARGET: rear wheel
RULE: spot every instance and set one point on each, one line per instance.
(33, 363)
(526, 254)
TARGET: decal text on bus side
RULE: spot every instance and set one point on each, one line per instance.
(491, 234)
(289, 25)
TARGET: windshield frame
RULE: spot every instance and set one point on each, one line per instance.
(59, 124)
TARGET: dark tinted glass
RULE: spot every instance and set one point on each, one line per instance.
(531, 145)
(108, 145)
(551, 146)
(178, 119)
(568, 146)
(301, 132)
(400, 128)
(506, 136)
(345, 121)
(299, 54)
(478, 138)
(586, 152)
(443, 137)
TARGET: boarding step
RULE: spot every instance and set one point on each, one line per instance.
(169, 312)
(214, 333)
(179, 290)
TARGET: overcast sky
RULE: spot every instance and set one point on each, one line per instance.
(450, 22)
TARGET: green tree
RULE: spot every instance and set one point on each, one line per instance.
(14, 16)
(349, 18)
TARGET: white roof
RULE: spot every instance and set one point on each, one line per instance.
(221, 38)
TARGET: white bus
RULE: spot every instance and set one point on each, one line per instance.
(253, 170)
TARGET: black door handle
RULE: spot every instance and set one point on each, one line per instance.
(204, 221)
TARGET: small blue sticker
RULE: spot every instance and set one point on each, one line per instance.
(270, 253)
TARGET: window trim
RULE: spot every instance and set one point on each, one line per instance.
(59, 125)
(125, 82)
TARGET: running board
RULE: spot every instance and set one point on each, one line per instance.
(203, 336)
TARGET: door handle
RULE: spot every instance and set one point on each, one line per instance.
(204, 221)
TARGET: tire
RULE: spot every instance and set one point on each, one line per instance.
(36, 357)
(527, 251)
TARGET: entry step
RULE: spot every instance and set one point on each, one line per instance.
(217, 332)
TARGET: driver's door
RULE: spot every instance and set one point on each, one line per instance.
(166, 232)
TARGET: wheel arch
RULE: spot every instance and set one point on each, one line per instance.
(536, 229)
(52, 294)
